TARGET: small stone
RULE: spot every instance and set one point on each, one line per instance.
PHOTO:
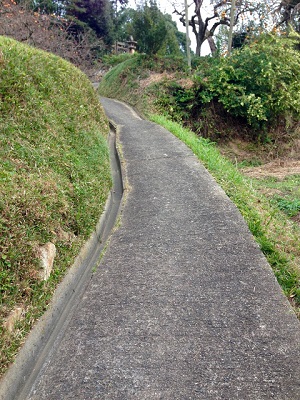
(67, 237)
(47, 254)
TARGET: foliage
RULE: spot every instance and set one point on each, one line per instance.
(288, 14)
(55, 176)
(155, 32)
(254, 88)
(45, 7)
(96, 15)
(101, 17)
(260, 82)
(121, 26)
(82, 31)
(174, 100)
(149, 28)
(206, 20)
(175, 41)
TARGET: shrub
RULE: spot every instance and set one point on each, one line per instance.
(259, 82)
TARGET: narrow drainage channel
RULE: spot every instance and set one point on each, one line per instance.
(20, 378)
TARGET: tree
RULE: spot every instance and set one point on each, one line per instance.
(205, 28)
(120, 15)
(95, 14)
(288, 13)
(46, 7)
(123, 25)
(154, 31)
(149, 28)
(175, 41)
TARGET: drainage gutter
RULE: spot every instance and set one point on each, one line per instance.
(19, 379)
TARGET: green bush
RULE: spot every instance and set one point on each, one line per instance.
(173, 100)
(259, 82)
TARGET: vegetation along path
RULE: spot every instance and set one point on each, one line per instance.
(183, 304)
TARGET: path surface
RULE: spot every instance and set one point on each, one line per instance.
(183, 304)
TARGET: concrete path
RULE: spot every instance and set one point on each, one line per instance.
(183, 304)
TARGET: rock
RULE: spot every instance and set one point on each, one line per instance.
(68, 237)
(47, 254)
(13, 317)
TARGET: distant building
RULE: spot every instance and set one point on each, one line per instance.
(126, 47)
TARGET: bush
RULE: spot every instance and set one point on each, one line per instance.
(259, 82)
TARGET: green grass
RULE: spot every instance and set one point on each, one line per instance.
(54, 176)
(284, 193)
(123, 80)
(277, 236)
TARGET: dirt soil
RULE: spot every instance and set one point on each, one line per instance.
(156, 77)
(271, 161)
(279, 169)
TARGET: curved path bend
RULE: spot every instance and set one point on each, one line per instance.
(183, 304)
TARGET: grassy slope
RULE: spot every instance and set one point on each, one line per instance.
(123, 81)
(277, 236)
(54, 176)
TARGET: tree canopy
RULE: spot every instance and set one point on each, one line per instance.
(109, 21)
(206, 19)
(155, 32)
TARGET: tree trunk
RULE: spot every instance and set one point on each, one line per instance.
(212, 45)
(199, 32)
(198, 46)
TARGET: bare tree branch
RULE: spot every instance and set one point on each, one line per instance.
(204, 28)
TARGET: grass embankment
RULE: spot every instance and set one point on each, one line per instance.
(276, 234)
(55, 177)
(126, 80)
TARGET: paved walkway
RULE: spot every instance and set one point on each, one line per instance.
(183, 304)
